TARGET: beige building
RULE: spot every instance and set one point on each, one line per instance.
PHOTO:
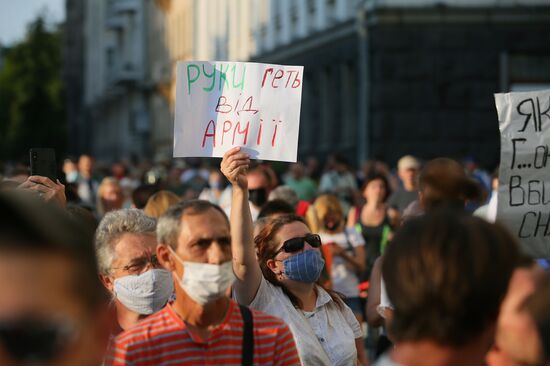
(190, 30)
(233, 30)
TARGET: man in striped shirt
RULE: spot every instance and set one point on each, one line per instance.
(202, 326)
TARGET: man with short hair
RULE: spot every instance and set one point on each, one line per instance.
(129, 269)
(258, 191)
(202, 326)
(304, 186)
(446, 275)
(407, 170)
(52, 307)
(87, 184)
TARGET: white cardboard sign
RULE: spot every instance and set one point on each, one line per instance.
(524, 190)
(220, 105)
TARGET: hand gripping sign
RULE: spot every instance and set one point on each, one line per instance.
(524, 190)
(220, 105)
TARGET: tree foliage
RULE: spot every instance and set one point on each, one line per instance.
(32, 106)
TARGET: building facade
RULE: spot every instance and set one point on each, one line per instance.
(382, 78)
(73, 74)
(385, 78)
(115, 118)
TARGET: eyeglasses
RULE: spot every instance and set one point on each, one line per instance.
(137, 265)
(294, 245)
(35, 340)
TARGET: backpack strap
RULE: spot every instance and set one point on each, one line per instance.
(247, 358)
(348, 242)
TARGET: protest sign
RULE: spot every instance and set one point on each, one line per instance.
(220, 105)
(524, 191)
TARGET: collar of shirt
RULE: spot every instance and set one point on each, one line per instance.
(215, 331)
(323, 297)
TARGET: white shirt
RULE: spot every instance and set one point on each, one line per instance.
(489, 211)
(254, 212)
(344, 279)
(325, 336)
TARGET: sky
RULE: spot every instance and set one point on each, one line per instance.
(16, 14)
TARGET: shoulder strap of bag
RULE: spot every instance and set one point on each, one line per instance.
(348, 242)
(248, 337)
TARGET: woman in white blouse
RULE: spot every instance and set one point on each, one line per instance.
(281, 279)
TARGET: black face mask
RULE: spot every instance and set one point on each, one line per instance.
(332, 225)
(35, 340)
(257, 196)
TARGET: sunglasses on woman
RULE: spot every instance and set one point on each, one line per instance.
(294, 245)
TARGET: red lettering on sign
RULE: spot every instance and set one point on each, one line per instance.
(268, 70)
(278, 75)
(226, 128)
(240, 132)
(211, 134)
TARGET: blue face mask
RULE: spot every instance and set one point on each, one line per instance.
(305, 266)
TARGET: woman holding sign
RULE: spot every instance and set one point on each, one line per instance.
(281, 279)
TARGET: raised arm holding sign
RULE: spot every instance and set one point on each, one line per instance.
(220, 105)
(524, 191)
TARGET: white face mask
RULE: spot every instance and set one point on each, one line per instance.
(205, 282)
(146, 293)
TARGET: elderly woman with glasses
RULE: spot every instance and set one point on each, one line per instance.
(282, 279)
(125, 242)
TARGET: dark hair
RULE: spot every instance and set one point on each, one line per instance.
(141, 194)
(444, 183)
(273, 207)
(377, 176)
(82, 215)
(258, 169)
(29, 224)
(168, 225)
(446, 274)
(267, 245)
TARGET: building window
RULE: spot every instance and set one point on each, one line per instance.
(293, 21)
(348, 97)
(311, 6)
(526, 72)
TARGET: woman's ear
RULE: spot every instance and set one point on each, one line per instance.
(272, 265)
(164, 257)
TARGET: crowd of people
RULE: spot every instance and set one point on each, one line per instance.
(192, 262)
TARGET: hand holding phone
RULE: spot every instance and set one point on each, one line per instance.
(46, 189)
(43, 179)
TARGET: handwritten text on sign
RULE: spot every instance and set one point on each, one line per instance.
(224, 104)
(524, 192)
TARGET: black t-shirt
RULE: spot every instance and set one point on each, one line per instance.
(373, 238)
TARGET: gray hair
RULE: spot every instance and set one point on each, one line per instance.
(168, 227)
(286, 194)
(113, 225)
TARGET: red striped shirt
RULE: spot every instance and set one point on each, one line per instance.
(163, 339)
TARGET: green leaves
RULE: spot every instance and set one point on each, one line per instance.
(32, 106)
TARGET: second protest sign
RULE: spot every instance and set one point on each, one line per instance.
(524, 190)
